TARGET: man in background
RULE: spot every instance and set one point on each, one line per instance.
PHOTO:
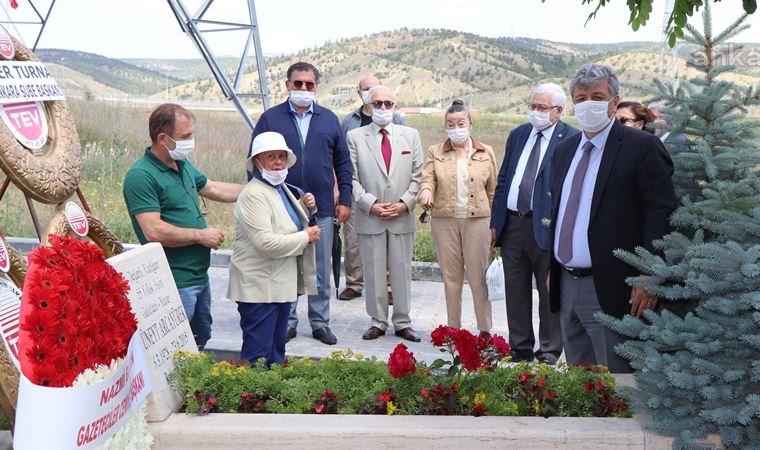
(352, 260)
(315, 136)
(161, 192)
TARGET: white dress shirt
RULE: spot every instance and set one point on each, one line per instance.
(581, 254)
(514, 188)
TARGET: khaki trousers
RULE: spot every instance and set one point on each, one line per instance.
(462, 246)
(351, 257)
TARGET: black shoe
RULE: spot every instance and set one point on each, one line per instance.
(325, 336)
(519, 357)
(291, 334)
(547, 358)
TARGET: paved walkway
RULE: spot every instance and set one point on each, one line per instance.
(349, 320)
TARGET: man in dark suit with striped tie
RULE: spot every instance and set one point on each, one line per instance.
(612, 190)
(520, 223)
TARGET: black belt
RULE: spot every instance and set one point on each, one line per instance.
(527, 215)
(578, 272)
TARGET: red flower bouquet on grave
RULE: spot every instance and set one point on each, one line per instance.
(75, 314)
(76, 323)
(467, 350)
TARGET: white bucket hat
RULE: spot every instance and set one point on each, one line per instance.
(266, 142)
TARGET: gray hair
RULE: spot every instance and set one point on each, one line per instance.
(589, 74)
(380, 86)
(558, 95)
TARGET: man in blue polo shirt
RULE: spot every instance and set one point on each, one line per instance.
(315, 136)
(161, 192)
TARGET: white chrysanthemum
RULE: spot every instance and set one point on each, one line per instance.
(134, 435)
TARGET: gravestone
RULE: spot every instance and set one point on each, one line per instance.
(161, 320)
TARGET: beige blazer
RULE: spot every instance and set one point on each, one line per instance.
(372, 183)
(440, 177)
(272, 261)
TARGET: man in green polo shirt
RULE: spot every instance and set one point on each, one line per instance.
(161, 192)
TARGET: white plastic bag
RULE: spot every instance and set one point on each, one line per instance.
(495, 281)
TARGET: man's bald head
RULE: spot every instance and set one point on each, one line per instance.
(368, 82)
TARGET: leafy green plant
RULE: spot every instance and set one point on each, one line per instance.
(349, 383)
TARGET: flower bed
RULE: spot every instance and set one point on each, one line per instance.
(476, 381)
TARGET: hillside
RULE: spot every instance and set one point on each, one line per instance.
(427, 67)
(118, 75)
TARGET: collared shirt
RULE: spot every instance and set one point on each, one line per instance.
(581, 254)
(152, 186)
(514, 188)
(302, 121)
(379, 135)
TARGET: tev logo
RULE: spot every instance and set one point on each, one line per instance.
(6, 44)
(27, 122)
(77, 220)
(5, 261)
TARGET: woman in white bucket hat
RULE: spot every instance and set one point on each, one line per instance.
(273, 260)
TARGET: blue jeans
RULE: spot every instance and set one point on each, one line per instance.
(197, 303)
(319, 305)
(265, 330)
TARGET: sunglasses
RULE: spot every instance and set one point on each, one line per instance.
(424, 217)
(378, 104)
(298, 84)
(626, 120)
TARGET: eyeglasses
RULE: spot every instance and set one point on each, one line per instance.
(298, 84)
(424, 217)
(627, 120)
(378, 104)
(540, 108)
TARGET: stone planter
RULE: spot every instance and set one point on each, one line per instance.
(245, 431)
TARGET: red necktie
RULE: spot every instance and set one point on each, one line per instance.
(385, 148)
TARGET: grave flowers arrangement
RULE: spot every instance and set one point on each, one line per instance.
(76, 324)
(478, 380)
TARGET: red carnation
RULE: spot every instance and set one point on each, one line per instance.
(401, 362)
(466, 344)
(443, 335)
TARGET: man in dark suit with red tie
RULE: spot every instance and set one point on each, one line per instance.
(520, 223)
(612, 190)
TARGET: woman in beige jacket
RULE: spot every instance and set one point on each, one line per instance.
(273, 260)
(458, 184)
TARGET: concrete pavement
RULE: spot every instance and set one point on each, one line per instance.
(349, 320)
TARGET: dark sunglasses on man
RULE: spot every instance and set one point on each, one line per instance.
(378, 104)
(298, 84)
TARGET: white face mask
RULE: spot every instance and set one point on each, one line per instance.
(592, 115)
(182, 149)
(458, 135)
(382, 117)
(274, 177)
(302, 99)
(365, 97)
(540, 120)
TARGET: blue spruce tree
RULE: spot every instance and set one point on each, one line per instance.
(698, 372)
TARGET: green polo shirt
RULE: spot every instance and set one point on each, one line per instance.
(152, 186)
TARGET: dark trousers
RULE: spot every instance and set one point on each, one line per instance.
(524, 260)
(265, 330)
(586, 339)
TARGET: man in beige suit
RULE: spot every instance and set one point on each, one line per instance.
(388, 162)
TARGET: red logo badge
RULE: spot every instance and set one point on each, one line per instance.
(6, 44)
(27, 122)
(77, 220)
(5, 261)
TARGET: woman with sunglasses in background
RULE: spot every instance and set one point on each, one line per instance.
(458, 184)
(635, 115)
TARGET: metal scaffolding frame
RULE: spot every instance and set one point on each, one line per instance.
(195, 26)
(43, 19)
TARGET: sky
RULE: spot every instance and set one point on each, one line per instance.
(148, 29)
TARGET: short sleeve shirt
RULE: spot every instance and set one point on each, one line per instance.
(152, 186)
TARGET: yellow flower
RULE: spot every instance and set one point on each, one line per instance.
(479, 397)
(336, 354)
(359, 356)
(390, 408)
(536, 407)
(215, 372)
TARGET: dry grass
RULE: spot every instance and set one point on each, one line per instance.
(114, 135)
